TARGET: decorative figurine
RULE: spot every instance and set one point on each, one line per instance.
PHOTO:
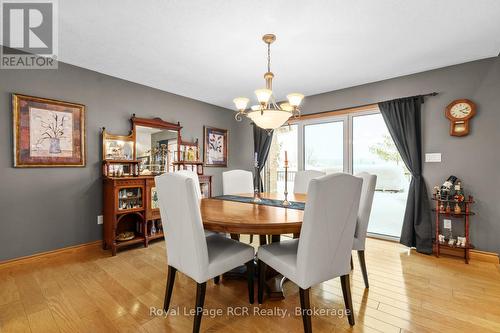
(457, 210)
(448, 208)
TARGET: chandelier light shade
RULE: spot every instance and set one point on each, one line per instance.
(267, 114)
(241, 102)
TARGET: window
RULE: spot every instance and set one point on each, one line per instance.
(353, 143)
(284, 139)
(324, 147)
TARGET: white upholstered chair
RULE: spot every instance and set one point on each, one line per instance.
(194, 176)
(365, 208)
(188, 249)
(302, 179)
(323, 250)
(237, 182)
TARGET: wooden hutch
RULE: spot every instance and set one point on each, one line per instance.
(131, 213)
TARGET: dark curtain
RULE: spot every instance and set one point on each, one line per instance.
(261, 143)
(403, 119)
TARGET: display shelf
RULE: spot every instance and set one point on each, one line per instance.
(445, 244)
(454, 201)
(453, 214)
(464, 215)
(136, 240)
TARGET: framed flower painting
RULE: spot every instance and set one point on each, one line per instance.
(215, 143)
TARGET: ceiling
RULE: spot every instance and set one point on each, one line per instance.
(212, 50)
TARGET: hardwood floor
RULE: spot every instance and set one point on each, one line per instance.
(90, 291)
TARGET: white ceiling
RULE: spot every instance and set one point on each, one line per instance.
(212, 50)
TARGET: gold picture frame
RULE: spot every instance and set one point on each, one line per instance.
(48, 133)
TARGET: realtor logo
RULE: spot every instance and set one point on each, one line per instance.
(29, 34)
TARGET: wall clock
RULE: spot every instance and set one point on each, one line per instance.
(460, 112)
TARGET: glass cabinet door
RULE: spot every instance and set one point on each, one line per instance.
(130, 198)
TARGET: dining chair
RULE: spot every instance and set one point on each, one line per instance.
(189, 251)
(237, 182)
(303, 178)
(323, 250)
(194, 176)
(365, 208)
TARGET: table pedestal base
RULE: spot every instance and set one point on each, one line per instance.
(274, 280)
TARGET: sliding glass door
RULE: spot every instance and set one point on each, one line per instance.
(350, 143)
(373, 151)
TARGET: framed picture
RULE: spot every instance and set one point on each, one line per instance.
(47, 133)
(215, 143)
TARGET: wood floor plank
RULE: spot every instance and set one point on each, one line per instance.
(42, 322)
(13, 318)
(94, 292)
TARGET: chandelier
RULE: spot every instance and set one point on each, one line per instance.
(268, 114)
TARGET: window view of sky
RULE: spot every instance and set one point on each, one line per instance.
(324, 147)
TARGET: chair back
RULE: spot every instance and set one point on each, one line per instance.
(237, 182)
(302, 179)
(182, 223)
(327, 234)
(365, 208)
(193, 175)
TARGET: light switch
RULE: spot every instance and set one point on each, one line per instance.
(433, 157)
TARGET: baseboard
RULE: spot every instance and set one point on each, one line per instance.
(474, 255)
(41, 255)
(485, 256)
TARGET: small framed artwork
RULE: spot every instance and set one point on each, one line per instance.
(47, 133)
(215, 143)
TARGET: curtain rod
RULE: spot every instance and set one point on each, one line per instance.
(358, 106)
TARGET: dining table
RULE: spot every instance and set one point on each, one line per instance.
(225, 215)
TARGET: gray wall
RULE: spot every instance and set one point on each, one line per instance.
(50, 208)
(475, 158)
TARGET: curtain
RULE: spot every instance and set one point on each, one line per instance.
(403, 119)
(261, 143)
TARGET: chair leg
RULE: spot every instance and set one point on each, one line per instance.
(262, 277)
(352, 264)
(251, 239)
(346, 291)
(362, 263)
(169, 288)
(217, 279)
(235, 237)
(200, 300)
(305, 306)
(250, 274)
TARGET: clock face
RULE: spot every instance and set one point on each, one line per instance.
(460, 110)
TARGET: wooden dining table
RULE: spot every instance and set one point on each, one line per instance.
(238, 218)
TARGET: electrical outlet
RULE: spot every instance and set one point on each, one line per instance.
(447, 224)
(100, 219)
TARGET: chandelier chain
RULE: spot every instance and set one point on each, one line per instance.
(268, 57)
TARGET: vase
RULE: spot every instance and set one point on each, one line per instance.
(55, 146)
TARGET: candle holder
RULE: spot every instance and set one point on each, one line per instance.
(256, 192)
(286, 202)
